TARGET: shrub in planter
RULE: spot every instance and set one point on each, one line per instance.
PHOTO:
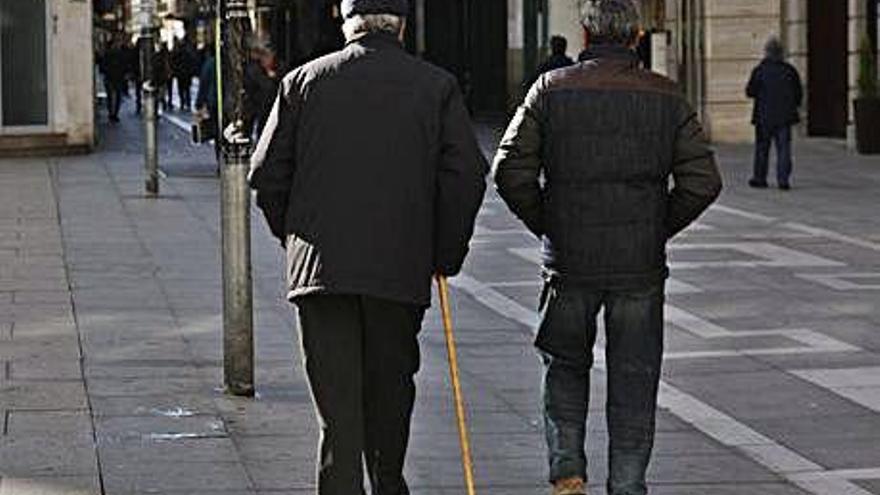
(867, 105)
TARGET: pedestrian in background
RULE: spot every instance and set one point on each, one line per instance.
(558, 56)
(184, 66)
(162, 76)
(133, 71)
(207, 106)
(586, 165)
(262, 78)
(775, 85)
(112, 64)
(369, 173)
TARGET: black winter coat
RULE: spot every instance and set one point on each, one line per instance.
(369, 172)
(776, 87)
(586, 164)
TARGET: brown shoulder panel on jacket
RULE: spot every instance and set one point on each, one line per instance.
(610, 74)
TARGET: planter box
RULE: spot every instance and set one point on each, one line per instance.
(868, 125)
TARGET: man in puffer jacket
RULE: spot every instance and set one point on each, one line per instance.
(586, 165)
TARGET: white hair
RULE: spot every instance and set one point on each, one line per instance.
(373, 23)
(610, 21)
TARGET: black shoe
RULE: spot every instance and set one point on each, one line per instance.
(785, 186)
(114, 119)
(758, 184)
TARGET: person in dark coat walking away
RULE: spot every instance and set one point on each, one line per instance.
(162, 77)
(369, 173)
(558, 57)
(113, 66)
(586, 164)
(133, 70)
(776, 87)
(184, 66)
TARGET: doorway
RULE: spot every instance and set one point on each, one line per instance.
(828, 79)
(469, 39)
(24, 57)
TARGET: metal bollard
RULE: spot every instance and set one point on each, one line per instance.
(151, 153)
(238, 327)
(151, 150)
(238, 341)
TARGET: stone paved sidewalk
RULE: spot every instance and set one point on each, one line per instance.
(110, 341)
(48, 440)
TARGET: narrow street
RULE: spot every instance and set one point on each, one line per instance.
(110, 340)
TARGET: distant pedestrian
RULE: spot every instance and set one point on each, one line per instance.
(776, 88)
(112, 64)
(207, 105)
(369, 173)
(133, 71)
(586, 165)
(558, 56)
(184, 67)
(162, 76)
(262, 79)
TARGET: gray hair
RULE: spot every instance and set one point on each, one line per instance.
(372, 23)
(613, 22)
(773, 49)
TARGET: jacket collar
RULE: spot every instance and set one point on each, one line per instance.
(376, 41)
(613, 52)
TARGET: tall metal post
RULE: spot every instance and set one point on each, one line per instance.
(151, 150)
(238, 328)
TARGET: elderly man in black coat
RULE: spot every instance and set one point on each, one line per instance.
(776, 88)
(369, 173)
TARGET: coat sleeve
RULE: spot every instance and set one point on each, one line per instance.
(274, 161)
(695, 173)
(752, 88)
(461, 184)
(517, 167)
(798, 87)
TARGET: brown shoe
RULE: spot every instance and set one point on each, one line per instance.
(569, 486)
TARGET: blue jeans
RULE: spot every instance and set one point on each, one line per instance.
(634, 334)
(764, 138)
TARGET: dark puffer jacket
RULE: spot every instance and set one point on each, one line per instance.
(369, 172)
(606, 136)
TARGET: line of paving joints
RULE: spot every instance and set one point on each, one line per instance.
(710, 421)
(132, 225)
(52, 169)
(800, 227)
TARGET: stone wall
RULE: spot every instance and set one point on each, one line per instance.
(565, 21)
(735, 33)
(794, 37)
(72, 73)
(858, 28)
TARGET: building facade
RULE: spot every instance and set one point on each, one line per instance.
(712, 46)
(708, 46)
(46, 80)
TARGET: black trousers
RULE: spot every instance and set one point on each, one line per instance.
(183, 91)
(361, 356)
(114, 96)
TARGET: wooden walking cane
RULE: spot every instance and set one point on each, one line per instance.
(466, 461)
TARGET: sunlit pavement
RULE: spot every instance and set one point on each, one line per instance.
(110, 343)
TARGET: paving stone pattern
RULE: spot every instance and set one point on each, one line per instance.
(110, 340)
